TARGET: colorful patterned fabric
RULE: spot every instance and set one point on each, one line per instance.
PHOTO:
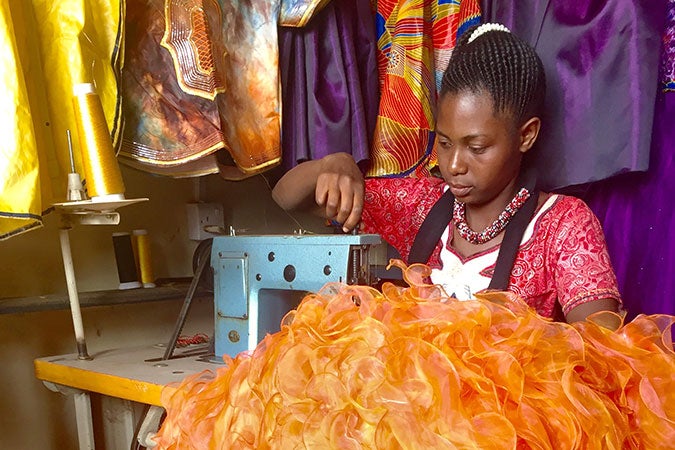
(668, 57)
(171, 123)
(47, 47)
(201, 76)
(415, 40)
(562, 256)
(410, 368)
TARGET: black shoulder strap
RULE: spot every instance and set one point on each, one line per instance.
(432, 228)
(509, 246)
(439, 217)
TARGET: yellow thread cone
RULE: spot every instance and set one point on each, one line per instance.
(141, 245)
(101, 170)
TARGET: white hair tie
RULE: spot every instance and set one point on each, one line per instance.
(484, 28)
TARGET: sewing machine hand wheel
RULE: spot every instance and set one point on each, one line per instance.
(202, 251)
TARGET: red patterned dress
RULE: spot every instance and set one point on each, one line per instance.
(562, 256)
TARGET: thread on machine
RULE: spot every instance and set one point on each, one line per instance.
(126, 263)
(101, 170)
(141, 245)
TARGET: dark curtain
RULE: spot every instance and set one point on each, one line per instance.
(636, 211)
(601, 60)
(329, 84)
(607, 117)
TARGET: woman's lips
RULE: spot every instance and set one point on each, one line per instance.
(459, 190)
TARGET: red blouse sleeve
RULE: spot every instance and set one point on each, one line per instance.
(583, 271)
(395, 208)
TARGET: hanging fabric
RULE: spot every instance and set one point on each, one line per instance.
(639, 205)
(667, 76)
(201, 75)
(47, 48)
(298, 13)
(167, 130)
(329, 83)
(608, 116)
(601, 60)
(414, 39)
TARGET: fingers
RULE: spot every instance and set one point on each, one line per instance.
(341, 200)
(355, 210)
(334, 203)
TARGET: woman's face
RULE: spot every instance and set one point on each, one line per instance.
(479, 152)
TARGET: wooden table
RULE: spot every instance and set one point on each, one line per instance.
(123, 377)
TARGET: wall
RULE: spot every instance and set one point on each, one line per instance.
(31, 265)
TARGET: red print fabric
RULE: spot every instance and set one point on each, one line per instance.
(562, 256)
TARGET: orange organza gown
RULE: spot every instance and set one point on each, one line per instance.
(410, 368)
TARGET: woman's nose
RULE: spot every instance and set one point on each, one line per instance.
(457, 164)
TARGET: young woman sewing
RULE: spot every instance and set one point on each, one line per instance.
(484, 224)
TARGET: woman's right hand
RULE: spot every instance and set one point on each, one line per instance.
(332, 187)
(340, 190)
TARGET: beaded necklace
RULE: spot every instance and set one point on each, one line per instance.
(459, 219)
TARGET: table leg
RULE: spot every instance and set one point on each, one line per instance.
(119, 422)
(85, 425)
(85, 428)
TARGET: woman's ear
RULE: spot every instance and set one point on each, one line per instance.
(528, 133)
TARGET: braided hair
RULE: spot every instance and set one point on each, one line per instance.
(489, 58)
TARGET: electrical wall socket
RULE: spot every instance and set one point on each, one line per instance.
(200, 215)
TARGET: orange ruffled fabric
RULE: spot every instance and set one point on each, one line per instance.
(410, 368)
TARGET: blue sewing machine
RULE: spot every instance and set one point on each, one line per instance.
(258, 279)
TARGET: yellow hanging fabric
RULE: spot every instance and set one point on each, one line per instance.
(20, 200)
(46, 48)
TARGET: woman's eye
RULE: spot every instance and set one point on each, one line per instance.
(477, 149)
(445, 144)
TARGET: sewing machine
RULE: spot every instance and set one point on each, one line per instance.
(258, 279)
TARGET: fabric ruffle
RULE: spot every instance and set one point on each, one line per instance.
(358, 368)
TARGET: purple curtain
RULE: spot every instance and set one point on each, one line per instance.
(330, 89)
(601, 61)
(637, 209)
(607, 116)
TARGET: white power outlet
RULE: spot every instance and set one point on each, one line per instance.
(201, 215)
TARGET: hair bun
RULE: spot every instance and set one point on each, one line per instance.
(486, 27)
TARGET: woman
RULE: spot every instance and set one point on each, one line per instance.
(488, 118)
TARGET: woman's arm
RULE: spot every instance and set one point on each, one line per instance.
(581, 312)
(331, 187)
(585, 280)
